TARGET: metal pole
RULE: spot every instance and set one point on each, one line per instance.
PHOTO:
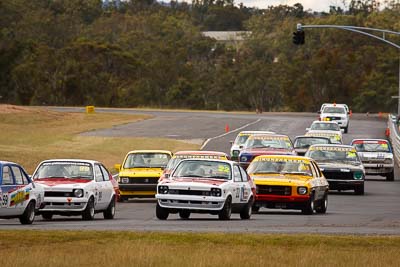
(398, 103)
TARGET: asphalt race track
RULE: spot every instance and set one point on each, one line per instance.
(376, 212)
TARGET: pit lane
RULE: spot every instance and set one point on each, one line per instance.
(376, 212)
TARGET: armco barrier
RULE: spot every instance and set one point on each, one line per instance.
(394, 137)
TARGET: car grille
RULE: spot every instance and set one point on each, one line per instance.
(141, 180)
(369, 161)
(189, 192)
(58, 194)
(274, 190)
(338, 175)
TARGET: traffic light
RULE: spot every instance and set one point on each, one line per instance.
(298, 37)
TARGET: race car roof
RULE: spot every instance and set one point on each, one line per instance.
(200, 152)
(150, 151)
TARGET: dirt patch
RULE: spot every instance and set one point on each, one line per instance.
(7, 109)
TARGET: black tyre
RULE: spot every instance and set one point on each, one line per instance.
(390, 176)
(88, 213)
(29, 214)
(359, 190)
(47, 216)
(226, 212)
(245, 213)
(184, 214)
(109, 213)
(346, 130)
(322, 204)
(161, 213)
(309, 207)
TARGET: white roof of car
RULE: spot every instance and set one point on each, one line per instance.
(327, 122)
(71, 160)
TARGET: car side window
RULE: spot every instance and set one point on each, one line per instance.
(237, 177)
(244, 174)
(19, 178)
(98, 174)
(105, 173)
(7, 177)
(317, 170)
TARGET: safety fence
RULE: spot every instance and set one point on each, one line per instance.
(394, 137)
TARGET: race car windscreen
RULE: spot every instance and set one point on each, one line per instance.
(305, 142)
(266, 142)
(280, 166)
(325, 126)
(337, 110)
(58, 169)
(334, 154)
(241, 139)
(379, 146)
(203, 169)
(146, 160)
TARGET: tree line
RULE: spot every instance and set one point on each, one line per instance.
(145, 53)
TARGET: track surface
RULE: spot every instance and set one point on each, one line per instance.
(377, 212)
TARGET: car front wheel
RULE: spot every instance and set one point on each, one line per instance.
(323, 204)
(390, 176)
(47, 216)
(225, 213)
(161, 213)
(359, 190)
(88, 213)
(308, 208)
(29, 214)
(184, 214)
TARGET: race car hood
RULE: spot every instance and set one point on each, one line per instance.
(193, 183)
(61, 182)
(375, 155)
(281, 179)
(141, 172)
(339, 165)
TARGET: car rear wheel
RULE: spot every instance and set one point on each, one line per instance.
(184, 214)
(346, 129)
(390, 176)
(161, 213)
(245, 213)
(323, 204)
(109, 213)
(47, 216)
(29, 214)
(308, 208)
(88, 213)
(226, 212)
(359, 190)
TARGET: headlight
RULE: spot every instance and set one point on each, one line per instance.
(243, 158)
(124, 180)
(78, 192)
(216, 192)
(388, 161)
(163, 189)
(358, 175)
(302, 190)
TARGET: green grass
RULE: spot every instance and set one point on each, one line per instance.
(30, 135)
(101, 248)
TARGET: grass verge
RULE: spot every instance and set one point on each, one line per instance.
(29, 136)
(100, 248)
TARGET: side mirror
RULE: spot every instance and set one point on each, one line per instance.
(342, 130)
(163, 167)
(167, 175)
(307, 129)
(240, 147)
(231, 142)
(319, 112)
(117, 167)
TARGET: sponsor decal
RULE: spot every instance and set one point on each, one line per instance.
(283, 160)
(333, 148)
(199, 157)
(264, 137)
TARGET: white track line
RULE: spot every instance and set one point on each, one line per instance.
(235, 130)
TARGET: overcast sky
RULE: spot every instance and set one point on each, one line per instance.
(315, 5)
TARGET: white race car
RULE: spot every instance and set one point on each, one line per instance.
(376, 156)
(218, 187)
(75, 187)
(19, 196)
(338, 113)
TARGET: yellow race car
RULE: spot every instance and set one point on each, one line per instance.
(140, 171)
(288, 182)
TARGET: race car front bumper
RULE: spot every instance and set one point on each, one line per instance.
(64, 204)
(336, 184)
(133, 190)
(376, 168)
(281, 202)
(190, 202)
